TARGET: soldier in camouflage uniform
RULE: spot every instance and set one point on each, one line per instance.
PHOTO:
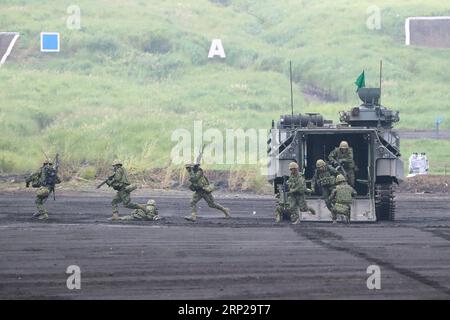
(324, 178)
(295, 197)
(150, 214)
(119, 182)
(343, 156)
(341, 199)
(202, 190)
(44, 179)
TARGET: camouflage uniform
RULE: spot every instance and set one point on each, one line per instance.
(341, 199)
(151, 213)
(119, 182)
(338, 157)
(202, 190)
(295, 198)
(326, 181)
(41, 179)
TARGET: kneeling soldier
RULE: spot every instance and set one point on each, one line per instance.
(151, 213)
(295, 196)
(341, 198)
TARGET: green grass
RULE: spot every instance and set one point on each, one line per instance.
(137, 70)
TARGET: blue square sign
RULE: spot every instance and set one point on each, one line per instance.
(49, 42)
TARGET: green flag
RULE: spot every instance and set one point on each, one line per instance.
(361, 81)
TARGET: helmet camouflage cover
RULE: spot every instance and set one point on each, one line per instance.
(343, 145)
(293, 165)
(151, 202)
(320, 163)
(116, 162)
(340, 178)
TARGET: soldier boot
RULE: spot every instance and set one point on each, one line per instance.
(43, 216)
(277, 217)
(226, 211)
(193, 216)
(295, 218)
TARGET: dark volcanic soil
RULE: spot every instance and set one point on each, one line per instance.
(242, 258)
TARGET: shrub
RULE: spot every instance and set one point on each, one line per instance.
(87, 172)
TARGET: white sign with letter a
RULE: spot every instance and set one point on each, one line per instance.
(216, 49)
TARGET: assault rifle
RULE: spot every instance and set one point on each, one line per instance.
(340, 168)
(284, 191)
(198, 160)
(108, 179)
(56, 175)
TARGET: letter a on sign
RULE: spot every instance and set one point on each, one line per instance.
(74, 280)
(374, 280)
(216, 49)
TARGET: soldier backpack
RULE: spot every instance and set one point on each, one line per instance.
(344, 195)
(50, 177)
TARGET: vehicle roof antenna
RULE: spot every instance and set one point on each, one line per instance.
(292, 94)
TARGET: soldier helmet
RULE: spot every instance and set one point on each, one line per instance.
(151, 202)
(340, 178)
(320, 163)
(343, 145)
(116, 162)
(293, 165)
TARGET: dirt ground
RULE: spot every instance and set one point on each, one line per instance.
(246, 257)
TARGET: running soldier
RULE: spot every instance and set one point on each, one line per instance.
(295, 194)
(45, 179)
(324, 178)
(343, 157)
(341, 199)
(202, 190)
(119, 182)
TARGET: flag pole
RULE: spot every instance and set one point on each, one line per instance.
(292, 95)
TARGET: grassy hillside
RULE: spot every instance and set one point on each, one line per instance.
(137, 70)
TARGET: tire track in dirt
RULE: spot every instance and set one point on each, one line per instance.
(320, 237)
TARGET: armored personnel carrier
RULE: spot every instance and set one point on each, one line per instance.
(368, 129)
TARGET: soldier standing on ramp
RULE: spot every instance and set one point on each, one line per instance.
(324, 178)
(295, 196)
(45, 179)
(341, 199)
(202, 190)
(343, 157)
(119, 182)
